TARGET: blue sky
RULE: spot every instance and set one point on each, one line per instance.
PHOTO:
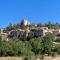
(12, 11)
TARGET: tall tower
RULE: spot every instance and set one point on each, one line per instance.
(1, 31)
(25, 22)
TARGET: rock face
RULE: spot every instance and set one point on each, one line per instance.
(24, 22)
(17, 34)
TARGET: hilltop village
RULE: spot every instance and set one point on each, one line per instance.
(25, 30)
(28, 40)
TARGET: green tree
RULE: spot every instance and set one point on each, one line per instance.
(9, 27)
(26, 49)
(8, 49)
(49, 25)
(36, 45)
(47, 44)
(0, 44)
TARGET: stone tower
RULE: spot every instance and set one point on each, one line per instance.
(25, 22)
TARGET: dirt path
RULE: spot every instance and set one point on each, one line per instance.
(52, 58)
(20, 58)
(57, 58)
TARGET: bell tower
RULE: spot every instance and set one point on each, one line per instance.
(1, 31)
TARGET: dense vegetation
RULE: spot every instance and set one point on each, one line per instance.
(35, 46)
